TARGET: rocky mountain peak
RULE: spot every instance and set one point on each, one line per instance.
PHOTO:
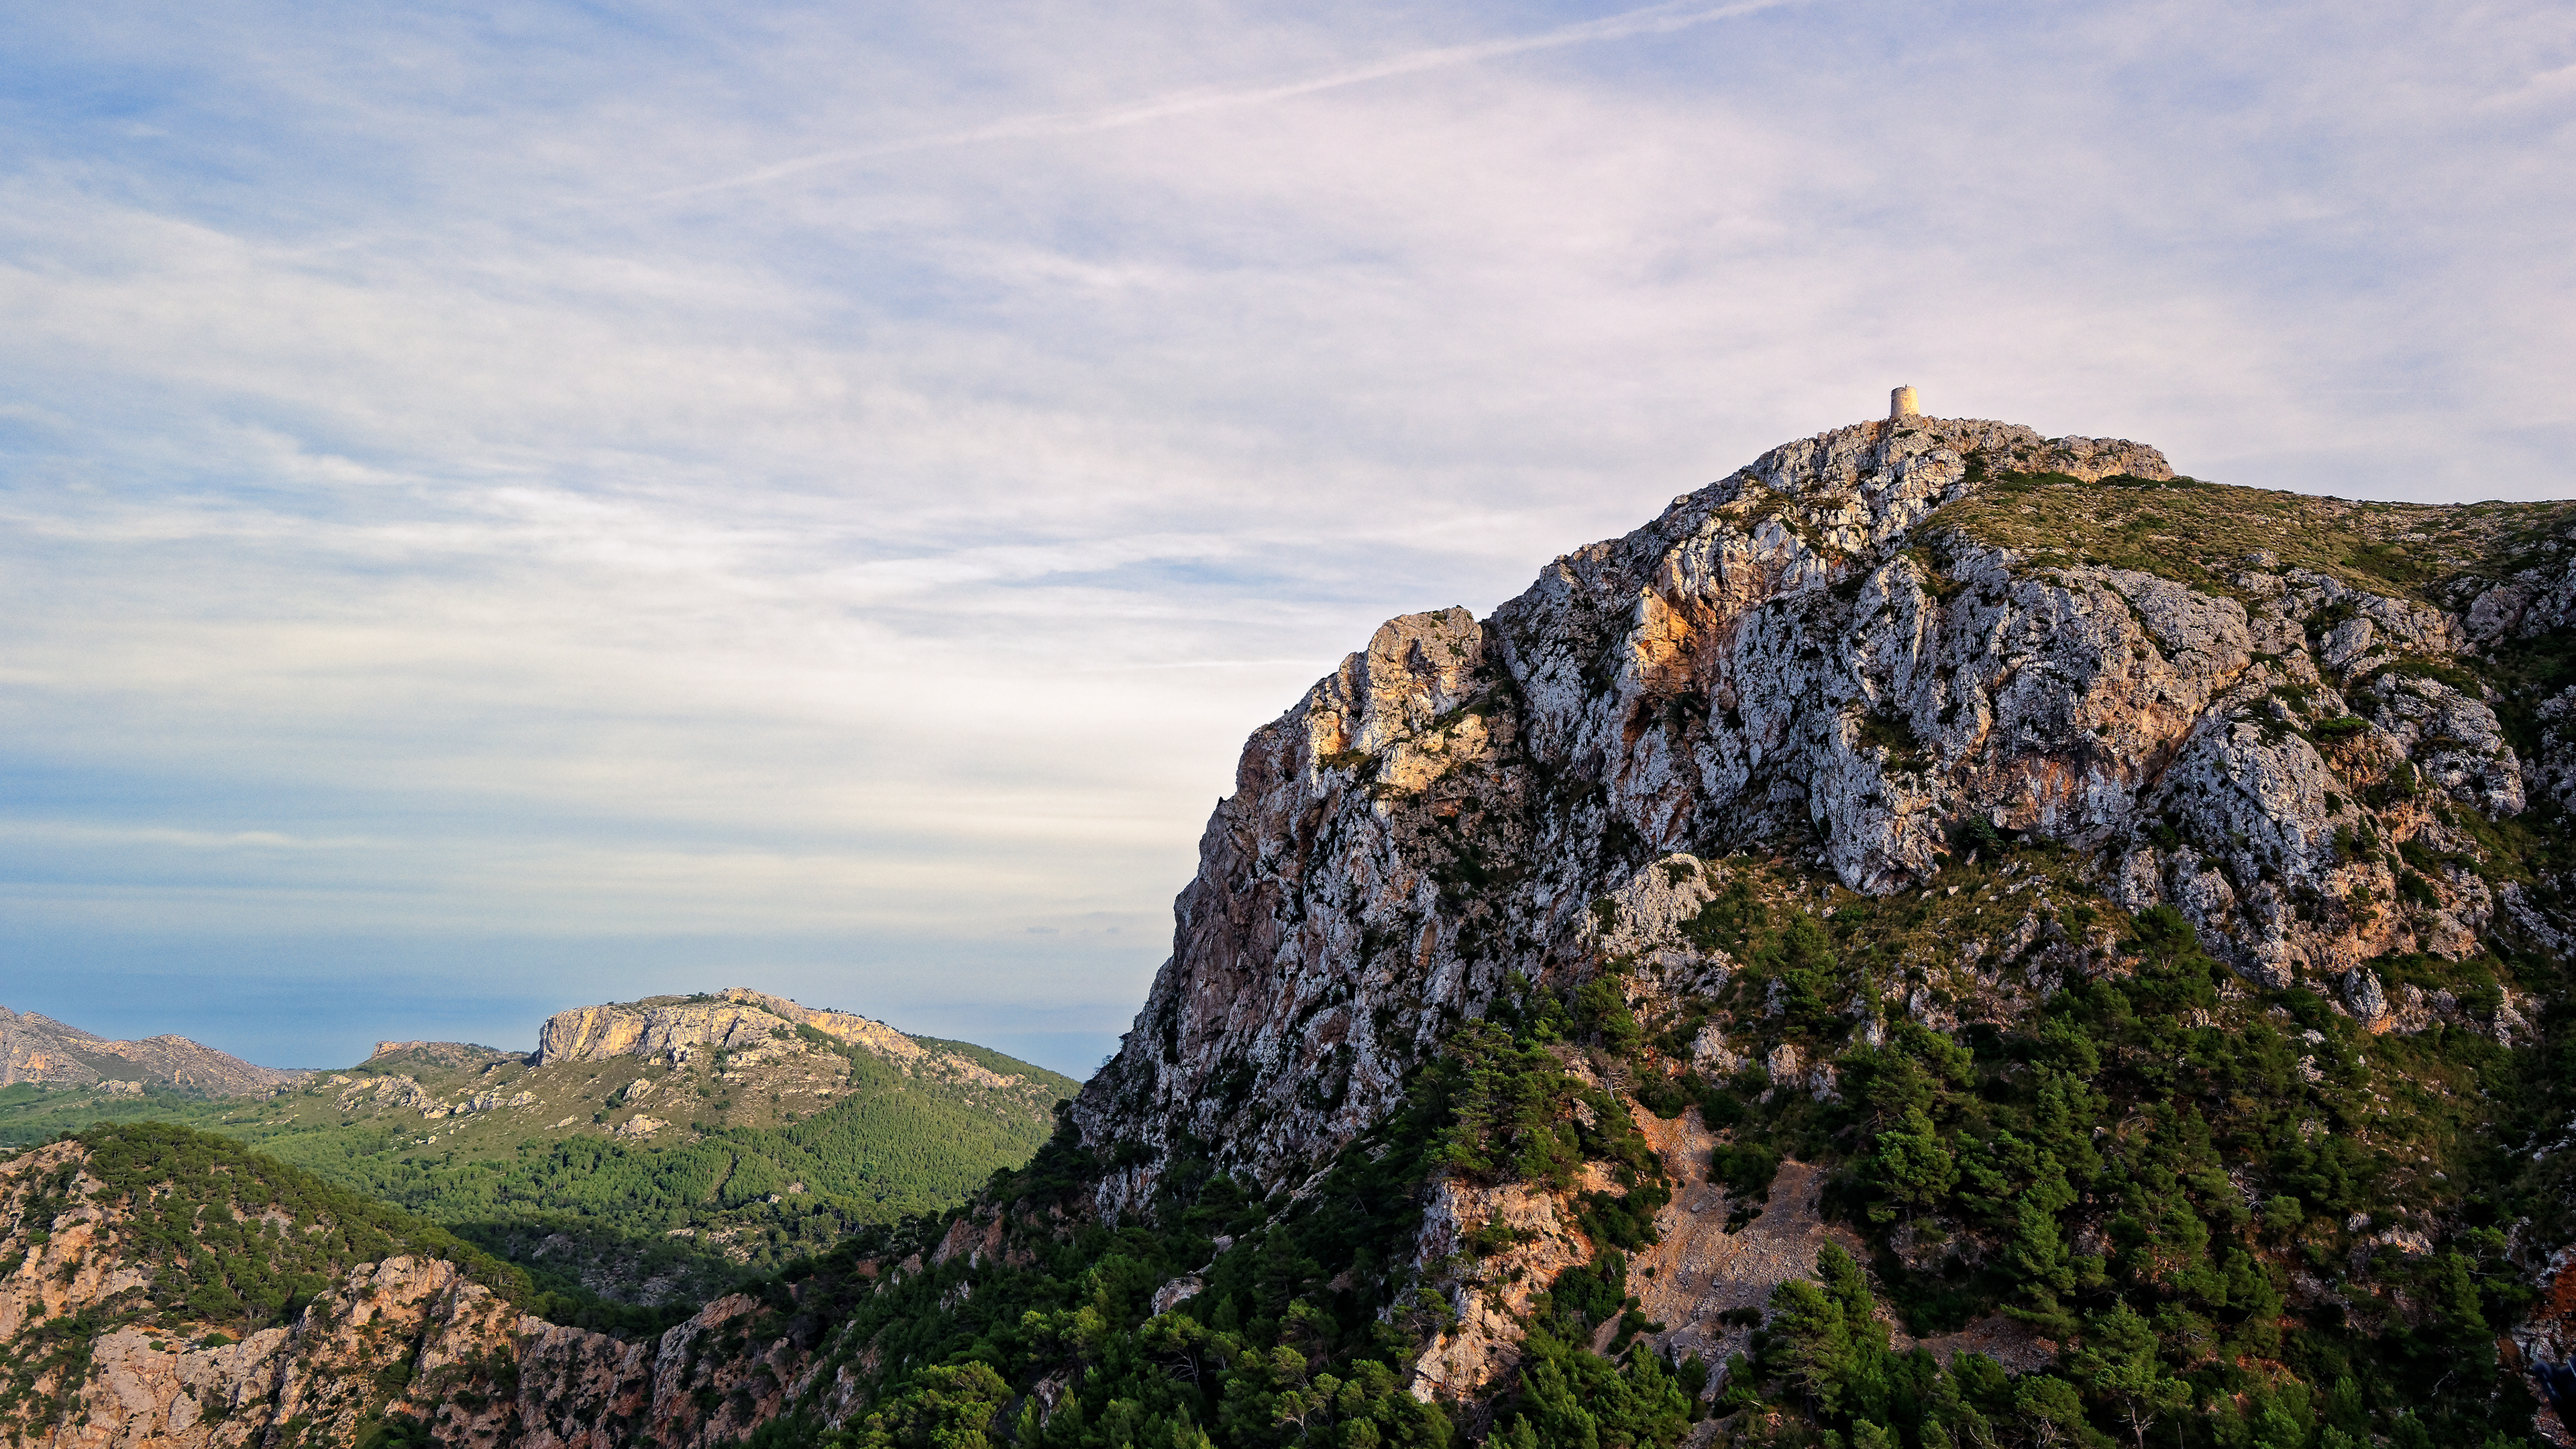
(1866, 652)
(1860, 486)
(745, 1026)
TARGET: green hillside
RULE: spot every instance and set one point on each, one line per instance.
(32, 1114)
(226, 1242)
(744, 1183)
(2236, 1147)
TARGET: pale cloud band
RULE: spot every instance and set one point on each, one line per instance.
(860, 587)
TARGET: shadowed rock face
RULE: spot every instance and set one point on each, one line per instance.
(1842, 646)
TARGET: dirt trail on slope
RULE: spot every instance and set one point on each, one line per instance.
(1700, 1270)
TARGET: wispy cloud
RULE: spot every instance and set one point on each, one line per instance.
(1647, 20)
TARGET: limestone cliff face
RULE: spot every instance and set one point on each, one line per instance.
(743, 1024)
(2532, 602)
(1855, 648)
(671, 1028)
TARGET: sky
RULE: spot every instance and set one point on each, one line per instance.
(511, 506)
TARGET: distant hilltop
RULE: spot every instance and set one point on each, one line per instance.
(459, 1055)
(39, 1049)
(738, 1020)
(675, 1065)
(737, 1025)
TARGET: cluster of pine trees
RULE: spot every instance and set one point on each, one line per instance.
(2163, 1174)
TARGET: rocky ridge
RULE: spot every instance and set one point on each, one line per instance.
(746, 1026)
(36, 1048)
(734, 1057)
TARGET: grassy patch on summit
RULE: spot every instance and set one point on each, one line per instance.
(2196, 532)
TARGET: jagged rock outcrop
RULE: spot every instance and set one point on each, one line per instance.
(1861, 645)
(35, 1048)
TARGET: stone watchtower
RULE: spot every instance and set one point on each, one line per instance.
(1901, 404)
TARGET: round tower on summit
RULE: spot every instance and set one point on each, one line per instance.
(1901, 403)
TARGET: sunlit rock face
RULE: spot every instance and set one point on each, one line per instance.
(1861, 647)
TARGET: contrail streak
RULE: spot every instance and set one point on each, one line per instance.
(1652, 20)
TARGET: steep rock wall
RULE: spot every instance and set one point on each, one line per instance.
(1806, 653)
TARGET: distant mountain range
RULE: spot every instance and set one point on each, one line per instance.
(40, 1049)
(647, 1152)
(739, 1025)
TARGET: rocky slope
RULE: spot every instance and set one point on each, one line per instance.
(109, 1336)
(36, 1048)
(1870, 658)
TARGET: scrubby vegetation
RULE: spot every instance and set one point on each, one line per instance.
(2232, 1218)
(2198, 533)
(893, 1148)
(1305, 1325)
(2241, 1219)
(32, 1114)
(228, 1242)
